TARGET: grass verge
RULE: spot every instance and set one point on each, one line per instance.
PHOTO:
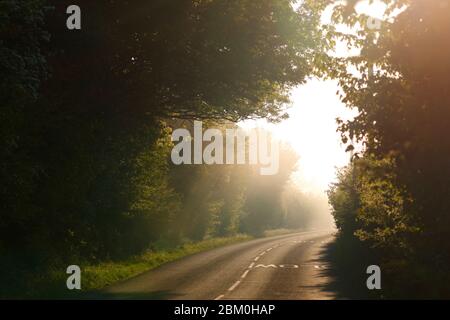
(103, 274)
(52, 284)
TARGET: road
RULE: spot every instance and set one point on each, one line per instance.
(281, 267)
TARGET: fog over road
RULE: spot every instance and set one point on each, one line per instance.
(281, 267)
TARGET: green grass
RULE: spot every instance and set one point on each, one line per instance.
(94, 277)
(101, 275)
(52, 283)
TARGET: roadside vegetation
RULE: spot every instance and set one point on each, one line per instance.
(87, 117)
(97, 276)
(394, 196)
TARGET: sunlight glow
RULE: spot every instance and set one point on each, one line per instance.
(312, 129)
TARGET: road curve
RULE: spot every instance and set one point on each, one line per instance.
(280, 267)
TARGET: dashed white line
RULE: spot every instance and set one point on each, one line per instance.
(244, 275)
(234, 285)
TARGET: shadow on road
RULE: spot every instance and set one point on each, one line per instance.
(344, 270)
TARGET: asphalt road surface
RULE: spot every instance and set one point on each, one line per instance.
(281, 267)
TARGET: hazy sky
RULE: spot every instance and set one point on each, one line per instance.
(311, 131)
(311, 128)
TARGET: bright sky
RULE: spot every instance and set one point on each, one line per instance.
(311, 128)
(311, 131)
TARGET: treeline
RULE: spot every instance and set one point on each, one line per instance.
(87, 115)
(395, 196)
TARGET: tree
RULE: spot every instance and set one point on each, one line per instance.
(401, 93)
(23, 68)
(187, 59)
(263, 206)
(85, 112)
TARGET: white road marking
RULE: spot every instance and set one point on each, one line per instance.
(234, 285)
(266, 266)
(286, 266)
(289, 266)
